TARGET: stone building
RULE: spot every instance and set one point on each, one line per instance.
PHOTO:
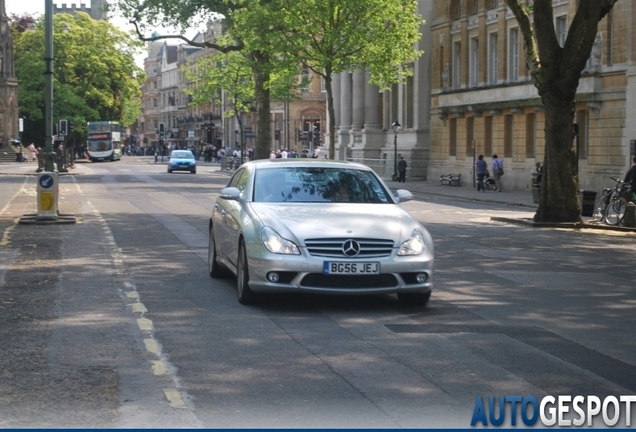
(364, 115)
(484, 102)
(297, 124)
(97, 10)
(9, 110)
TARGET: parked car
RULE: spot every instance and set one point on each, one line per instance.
(317, 226)
(182, 160)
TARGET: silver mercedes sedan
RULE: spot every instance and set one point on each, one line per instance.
(318, 226)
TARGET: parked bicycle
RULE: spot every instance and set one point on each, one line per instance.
(611, 205)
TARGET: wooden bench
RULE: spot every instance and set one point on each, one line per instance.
(450, 179)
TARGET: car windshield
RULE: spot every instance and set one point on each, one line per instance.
(318, 185)
(181, 154)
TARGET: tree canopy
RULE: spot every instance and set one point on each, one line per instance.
(328, 36)
(95, 75)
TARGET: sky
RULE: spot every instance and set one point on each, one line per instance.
(36, 7)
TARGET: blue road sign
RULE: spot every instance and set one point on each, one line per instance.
(46, 181)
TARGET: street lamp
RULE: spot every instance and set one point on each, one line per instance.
(396, 127)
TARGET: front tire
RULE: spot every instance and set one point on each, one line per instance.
(245, 294)
(214, 268)
(414, 299)
(169, 171)
(615, 211)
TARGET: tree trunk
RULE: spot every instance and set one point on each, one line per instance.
(263, 127)
(559, 191)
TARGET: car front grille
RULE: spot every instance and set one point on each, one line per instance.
(318, 280)
(334, 248)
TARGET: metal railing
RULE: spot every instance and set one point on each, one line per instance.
(63, 159)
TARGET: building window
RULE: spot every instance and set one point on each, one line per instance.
(610, 37)
(531, 127)
(582, 118)
(508, 135)
(304, 79)
(470, 129)
(409, 93)
(514, 55)
(452, 124)
(561, 28)
(494, 4)
(488, 133)
(457, 61)
(474, 62)
(493, 58)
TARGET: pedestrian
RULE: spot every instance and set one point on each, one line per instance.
(481, 168)
(401, 170)
(17, 147)
(630, 177)
(34, 152)
(537, 173)
(497, 171)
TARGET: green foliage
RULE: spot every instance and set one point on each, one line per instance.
(214, 75)
(333, 36)
(95, 75)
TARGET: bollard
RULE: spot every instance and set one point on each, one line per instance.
(629, 220)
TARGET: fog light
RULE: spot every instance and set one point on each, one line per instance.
(421, 277)
(273, 277)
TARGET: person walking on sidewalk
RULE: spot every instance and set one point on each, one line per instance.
(497, 171)
(481, 168)
(401, 170)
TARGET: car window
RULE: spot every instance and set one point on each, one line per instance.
(239, 179)
(181, 155)
(307, 184)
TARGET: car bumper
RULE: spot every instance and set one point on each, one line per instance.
(303, 273)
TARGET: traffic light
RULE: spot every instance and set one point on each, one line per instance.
(162, 130)
(62, 128)
(70, 127)
(277, 135)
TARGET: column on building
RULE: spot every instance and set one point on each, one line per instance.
(358, 100)
(372, 138)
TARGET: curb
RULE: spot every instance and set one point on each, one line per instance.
(570, 225)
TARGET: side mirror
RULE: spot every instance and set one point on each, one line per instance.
(403, 195)
(230, 193)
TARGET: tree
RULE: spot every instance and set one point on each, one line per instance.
(231, 74)
(333, 36)
(95, 75)
(556, 71)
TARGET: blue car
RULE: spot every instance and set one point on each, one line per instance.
(182, 160)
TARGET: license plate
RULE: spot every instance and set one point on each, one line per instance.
(357, 268)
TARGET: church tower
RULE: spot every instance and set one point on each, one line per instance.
(8, 84)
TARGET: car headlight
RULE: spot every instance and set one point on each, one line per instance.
(276, 244)
(415, 245)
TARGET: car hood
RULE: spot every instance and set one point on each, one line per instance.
(304, 221)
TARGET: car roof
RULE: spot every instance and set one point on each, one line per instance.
(305, 162)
